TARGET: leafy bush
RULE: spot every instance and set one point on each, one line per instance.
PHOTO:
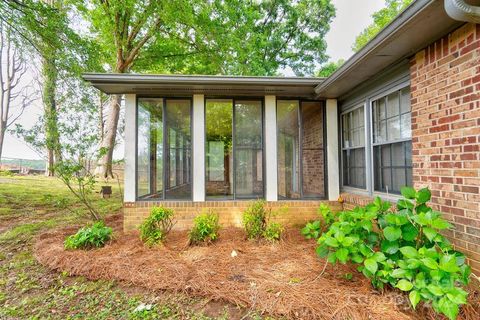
(205, 228)
(254, 220)
(154, 229)
(314, 229)
(403, 249)
(257, 224)
(89, 237)
(273, 231)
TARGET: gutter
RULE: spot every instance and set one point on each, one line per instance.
(462, 11)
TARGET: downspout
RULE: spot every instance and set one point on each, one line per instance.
(462, 11)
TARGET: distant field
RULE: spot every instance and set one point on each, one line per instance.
(33, 164)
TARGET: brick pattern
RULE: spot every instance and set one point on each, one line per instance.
(350, 201)
(290, 213)
(445, 85)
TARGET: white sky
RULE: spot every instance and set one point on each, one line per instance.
(352, 17)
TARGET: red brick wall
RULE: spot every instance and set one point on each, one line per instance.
(445, 85)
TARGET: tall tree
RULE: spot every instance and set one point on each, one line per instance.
(13, 93)
(208, 37)
(329, 68)
(45, 27)
(381, 19)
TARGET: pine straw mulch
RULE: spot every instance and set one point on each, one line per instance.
(282, 279)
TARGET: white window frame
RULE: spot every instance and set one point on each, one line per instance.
(365, 132)
(367, 102)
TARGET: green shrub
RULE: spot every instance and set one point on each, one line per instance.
(91, 237)
(403, 249)
(155, 228)
(205, 228)
(314, 229)
(254, 220)
(257, 224)
(273, 231)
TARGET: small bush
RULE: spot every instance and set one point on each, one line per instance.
(257, 224)
(205, 228)
(255, 220)
(155, 228)
(273, 231)
(89, 237)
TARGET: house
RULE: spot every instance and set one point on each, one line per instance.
(404, 110)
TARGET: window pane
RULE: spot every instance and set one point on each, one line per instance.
(312, 150)
(178, 153)
(393, 105)
(392, 167)
(149, 148)
(248, 149)
(405, 100)
(219, 160)
(406, 127)
(393, 128)
(288, 149)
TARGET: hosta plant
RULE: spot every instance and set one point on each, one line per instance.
(402, 248)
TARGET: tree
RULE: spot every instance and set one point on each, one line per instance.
(44, 25)
(329, 68)
(208, 37)
(381, 19)
(13, 93)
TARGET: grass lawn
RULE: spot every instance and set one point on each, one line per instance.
(32, 205)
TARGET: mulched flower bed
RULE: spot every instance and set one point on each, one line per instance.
(281, 279)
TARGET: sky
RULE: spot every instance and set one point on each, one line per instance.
(351, 18)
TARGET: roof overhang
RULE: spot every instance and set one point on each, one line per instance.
(423, 22)
(210, 85)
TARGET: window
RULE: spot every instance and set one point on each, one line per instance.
(163, 125)
(300, 149)
(392, 145)
(234, 149)
(353, 148)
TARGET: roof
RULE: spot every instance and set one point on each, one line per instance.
(423, 22)
(114, 83)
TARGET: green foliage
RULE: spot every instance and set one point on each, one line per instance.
(273, 231)
(381, 19)
(403, 249)
(205, 228)
(156, 227)
(256, 221)
(314, 229)
(89, 237)
(329, 68)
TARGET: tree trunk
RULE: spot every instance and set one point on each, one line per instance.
(104, 166)
(3, 127)
(52, 136)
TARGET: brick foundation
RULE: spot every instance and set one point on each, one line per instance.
(296, 213)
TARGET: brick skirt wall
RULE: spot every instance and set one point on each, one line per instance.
(291, 213)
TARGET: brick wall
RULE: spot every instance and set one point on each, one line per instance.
(291, 213)
(445, 85)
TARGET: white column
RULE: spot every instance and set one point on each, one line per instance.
(198, 144)
(332, 150)
(130, 146)
(271, 193)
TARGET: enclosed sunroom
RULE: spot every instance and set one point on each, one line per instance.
(213, 142)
